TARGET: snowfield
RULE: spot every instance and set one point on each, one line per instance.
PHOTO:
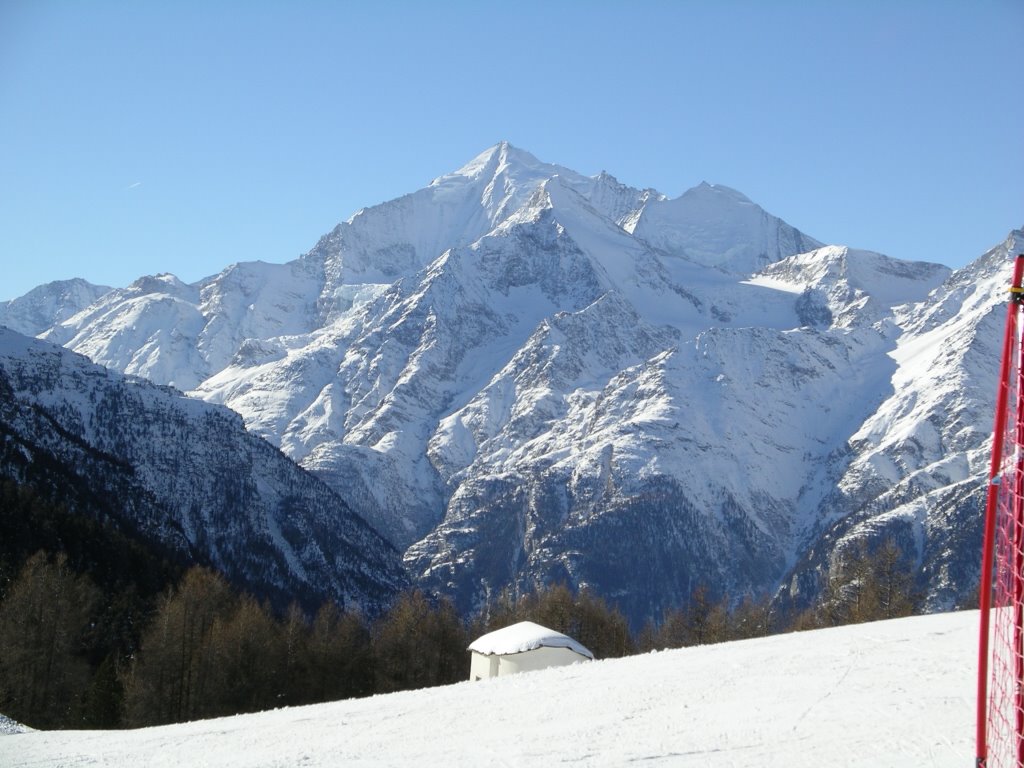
(894, 693)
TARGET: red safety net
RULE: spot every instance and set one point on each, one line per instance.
(1001, 600)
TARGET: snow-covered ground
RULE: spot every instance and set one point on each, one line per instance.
(896, 693)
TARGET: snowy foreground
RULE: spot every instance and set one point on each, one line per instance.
(896, 693)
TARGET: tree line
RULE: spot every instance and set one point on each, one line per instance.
(81, 652)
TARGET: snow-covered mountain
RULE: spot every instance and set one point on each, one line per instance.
(521, 374)
(186, 476)
(917, 465)
(47, 304)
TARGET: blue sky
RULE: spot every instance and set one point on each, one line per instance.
(145, 137)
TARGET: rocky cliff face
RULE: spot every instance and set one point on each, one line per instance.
(522, 374)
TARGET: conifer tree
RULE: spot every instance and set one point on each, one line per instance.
(167, 681)
(753, 618)
(247, 651)
(419, 644)
(865, 585)
(339, 660)
(44, 620)
(295, 632)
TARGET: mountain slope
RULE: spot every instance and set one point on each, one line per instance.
(893, 693)
(920, 462)
(184, 474)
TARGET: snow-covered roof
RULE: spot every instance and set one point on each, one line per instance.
(524, 636)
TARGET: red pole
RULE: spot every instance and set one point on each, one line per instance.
(1018, 568)
(985, 590)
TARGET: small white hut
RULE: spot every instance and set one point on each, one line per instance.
(523, 647)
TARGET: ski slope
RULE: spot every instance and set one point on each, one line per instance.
(895, 693)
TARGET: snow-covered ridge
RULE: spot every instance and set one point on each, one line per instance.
(522, 374)
(718, 226)
(853, 285)
(47, 304)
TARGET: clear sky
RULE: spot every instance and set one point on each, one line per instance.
(144, 137)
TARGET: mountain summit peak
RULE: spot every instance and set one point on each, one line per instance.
(706, 189)
(492, 159)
